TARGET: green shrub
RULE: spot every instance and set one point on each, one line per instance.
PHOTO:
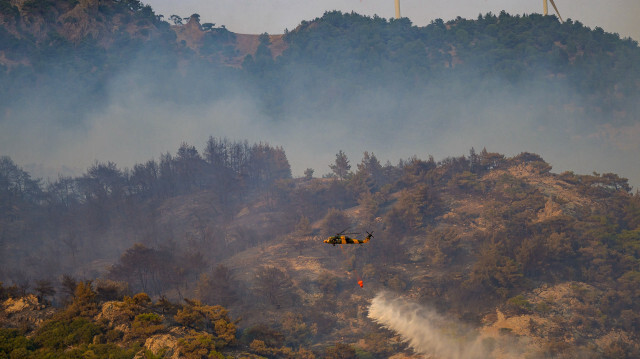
(11, 341)
(198, 345)
(99, 351)
(58, 334)
(519, 304)
(543, 308)
(211, 318)
(145, 325)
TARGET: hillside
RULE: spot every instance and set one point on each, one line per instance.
(522, 51)
(218, 252)
(500, 246)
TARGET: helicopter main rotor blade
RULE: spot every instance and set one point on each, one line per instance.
(342, 232)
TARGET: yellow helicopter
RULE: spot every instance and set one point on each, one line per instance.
(342, 238)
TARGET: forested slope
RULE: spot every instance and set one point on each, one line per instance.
(493, 241)
(357, 52)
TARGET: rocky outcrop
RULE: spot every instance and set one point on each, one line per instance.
(25, 311)
(163, 344)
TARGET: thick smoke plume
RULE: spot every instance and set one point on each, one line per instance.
(430, 333)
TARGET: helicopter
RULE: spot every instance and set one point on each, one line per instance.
(343, 238)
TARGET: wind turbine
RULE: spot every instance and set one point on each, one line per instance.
(545, 6)
(398, 9)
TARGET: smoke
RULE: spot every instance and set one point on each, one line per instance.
(443, 119)
(143, 115)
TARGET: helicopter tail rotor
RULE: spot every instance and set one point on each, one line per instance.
(369, 236)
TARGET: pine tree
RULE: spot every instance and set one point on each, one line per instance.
(341, 166)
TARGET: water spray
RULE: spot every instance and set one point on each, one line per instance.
(424, 330)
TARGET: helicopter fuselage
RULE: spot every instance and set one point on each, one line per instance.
(342, 239)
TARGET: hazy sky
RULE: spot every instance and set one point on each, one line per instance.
(258, 16)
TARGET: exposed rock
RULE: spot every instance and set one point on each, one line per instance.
(110, 312)
(25, 311)
(166, 344)
(30, 302)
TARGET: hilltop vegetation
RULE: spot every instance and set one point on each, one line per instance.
(468, 235)
(69, 57)
(517, 51)
(328, 61)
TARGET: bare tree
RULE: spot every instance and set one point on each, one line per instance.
(217, 287)
(274, 285)
(143, 268)
(44, 288)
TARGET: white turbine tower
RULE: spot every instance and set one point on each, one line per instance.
(545, 6)
(397, 9)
